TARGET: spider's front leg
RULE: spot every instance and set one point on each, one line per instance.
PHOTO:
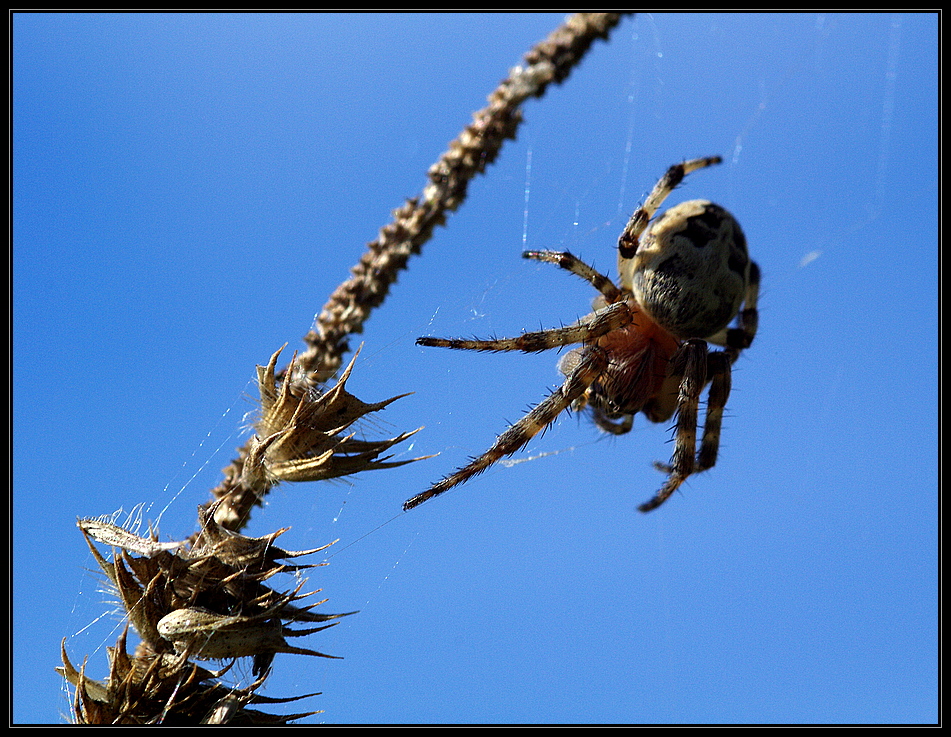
(590, 366)
(598, 323)
(630, 237)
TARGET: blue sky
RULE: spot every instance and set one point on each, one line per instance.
(188, 189)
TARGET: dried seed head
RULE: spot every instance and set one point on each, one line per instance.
(204, 599)
(302, 433)
(242, 551)
(150, 689)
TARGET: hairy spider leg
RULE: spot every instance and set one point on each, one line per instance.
(611, 318)
(517, 436)
(630, 237)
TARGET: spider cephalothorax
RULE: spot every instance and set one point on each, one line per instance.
(684, 279)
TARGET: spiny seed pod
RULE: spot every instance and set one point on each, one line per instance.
(209, 636)
(302, 433)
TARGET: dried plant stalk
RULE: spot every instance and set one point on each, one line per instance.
(478, 145)
(206, 598)
(467, 156)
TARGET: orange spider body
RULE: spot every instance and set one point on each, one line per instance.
(638, 356)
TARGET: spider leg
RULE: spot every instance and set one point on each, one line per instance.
(592, 364)
(595, 325)
(740, 338)
(570, 262)
(628, 242)
(720, 375)
(690, 363)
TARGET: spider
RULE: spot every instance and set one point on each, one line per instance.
(684, 278)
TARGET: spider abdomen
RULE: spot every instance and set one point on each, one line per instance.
(691, 270)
